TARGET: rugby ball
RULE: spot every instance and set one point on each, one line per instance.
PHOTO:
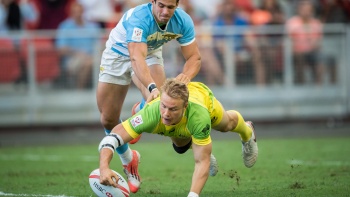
(102, 190)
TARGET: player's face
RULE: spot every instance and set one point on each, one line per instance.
(163, 10)
(171, 110)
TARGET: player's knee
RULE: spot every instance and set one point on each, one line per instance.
(108, 122)
(182, 149)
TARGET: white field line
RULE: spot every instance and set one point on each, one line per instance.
(53, 158)
(318, 163)
(39, 195)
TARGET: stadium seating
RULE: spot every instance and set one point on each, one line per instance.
(10, 69)
(47, 60)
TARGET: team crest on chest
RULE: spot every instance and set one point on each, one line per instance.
(136, 121)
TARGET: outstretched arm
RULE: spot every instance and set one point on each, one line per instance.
(106, 174)
(201, 168)
(193, 62)
(117, 138)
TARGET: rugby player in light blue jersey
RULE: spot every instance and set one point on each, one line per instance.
(134, 52)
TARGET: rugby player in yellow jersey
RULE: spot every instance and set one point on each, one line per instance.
(185, 113)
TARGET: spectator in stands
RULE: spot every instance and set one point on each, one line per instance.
(305, 32)
(246, 53)
(211, 68)
(269, 16)
(133, 3)
(244, 8)
(209, 7)
(332, 12)
(76, 40)
(99, 11)
(52, 12)
(15, 15)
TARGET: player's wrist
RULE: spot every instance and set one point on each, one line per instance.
(151, 87)
(192, 194)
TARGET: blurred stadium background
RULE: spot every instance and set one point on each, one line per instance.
(259, 80)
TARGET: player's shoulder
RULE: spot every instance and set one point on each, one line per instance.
(182, 17)
(197, 115)
(193, 86)
(141, 13)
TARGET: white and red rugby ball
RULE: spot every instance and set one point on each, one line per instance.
(102, 190)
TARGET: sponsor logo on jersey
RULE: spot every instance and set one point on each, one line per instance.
(136, 121)
(137, 34)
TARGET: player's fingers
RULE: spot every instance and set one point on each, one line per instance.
(156, 94)
(153, 96)
(179, 77)
(183, 78)
(114, 180)
(104, 181)
(149, 99)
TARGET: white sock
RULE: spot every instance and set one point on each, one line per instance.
(126, 157)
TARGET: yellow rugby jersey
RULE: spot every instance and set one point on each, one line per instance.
(195, 123)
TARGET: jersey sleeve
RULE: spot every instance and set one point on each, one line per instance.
(188, 32)
(136, 27)
(200, 126)
(146, 120)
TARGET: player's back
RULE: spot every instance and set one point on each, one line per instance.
(200, 94)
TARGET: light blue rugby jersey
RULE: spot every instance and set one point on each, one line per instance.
(139, 25)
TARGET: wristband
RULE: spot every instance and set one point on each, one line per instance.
(151, 87)
(192, 194)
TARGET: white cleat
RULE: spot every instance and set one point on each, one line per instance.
(213, 170)
(250, 149)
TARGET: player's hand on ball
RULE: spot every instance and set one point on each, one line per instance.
(108, 177)
(154, 94)
(183, 78)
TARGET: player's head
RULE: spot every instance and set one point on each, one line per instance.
(173, 101)
(163, 10)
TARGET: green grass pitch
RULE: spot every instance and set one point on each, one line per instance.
(285, 167)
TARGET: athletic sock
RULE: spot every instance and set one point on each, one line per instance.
(244, 131)
(107, 131)
(121, 150)
(142, 103)
(126, 156)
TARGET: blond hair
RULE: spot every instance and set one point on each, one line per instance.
(175, 89)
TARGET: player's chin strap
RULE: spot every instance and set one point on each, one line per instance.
(111, 141)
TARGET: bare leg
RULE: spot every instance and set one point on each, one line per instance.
(110, 99)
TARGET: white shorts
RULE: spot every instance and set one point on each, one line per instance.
(116, 68)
